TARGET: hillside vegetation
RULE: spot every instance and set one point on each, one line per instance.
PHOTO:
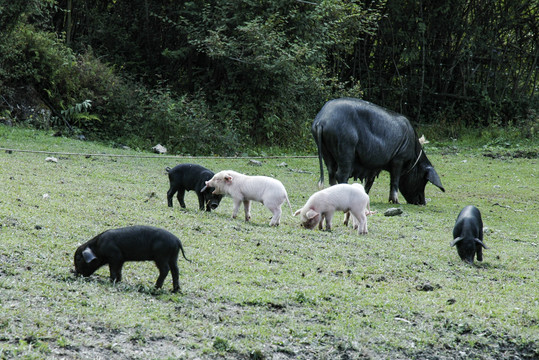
(212, 77)
(255, 292)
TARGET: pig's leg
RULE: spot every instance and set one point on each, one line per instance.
(362, 221)
(321, 223)
(173, 264)
(237, 203)
(328, 217)
(247, 206)
(170, 195)
(181, 195)
(346, 218)
(116, 271)
(201, 201)
(355, 221)
(276, 219)
(479, 251)
(163, 272)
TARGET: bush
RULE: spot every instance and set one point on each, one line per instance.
(184, 125)
(81, 94)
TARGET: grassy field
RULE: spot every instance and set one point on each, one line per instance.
(255, 292)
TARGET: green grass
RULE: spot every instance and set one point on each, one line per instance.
(260, 292)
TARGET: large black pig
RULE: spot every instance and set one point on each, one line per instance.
(133, 243)
(359, 139)
(468, 234)
(185, 177)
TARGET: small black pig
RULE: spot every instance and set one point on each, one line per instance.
(192, 177)
(468, 234)
(133, 243)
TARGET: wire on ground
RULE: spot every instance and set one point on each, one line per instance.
(8, 150)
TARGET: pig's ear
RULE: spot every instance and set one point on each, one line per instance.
(454, 242)
(480, 243)
(88, 255)
(228, 178)
(297, 212)
(311, 214)
(205, 186)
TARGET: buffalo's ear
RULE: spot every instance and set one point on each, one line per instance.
(88, 255)
(480, 243)
(454, 242)
(433, 177)
(298, 212)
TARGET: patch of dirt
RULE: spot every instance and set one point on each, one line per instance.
(500, 349)
(518, 154)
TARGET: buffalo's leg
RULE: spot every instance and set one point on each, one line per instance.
(343, 172)
(395, 175)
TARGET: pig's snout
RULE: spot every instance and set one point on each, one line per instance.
(212, 205)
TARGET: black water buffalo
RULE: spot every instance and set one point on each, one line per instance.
(468, 234)
(359, 139)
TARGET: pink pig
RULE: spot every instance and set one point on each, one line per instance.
(340, 197)
(243, 188)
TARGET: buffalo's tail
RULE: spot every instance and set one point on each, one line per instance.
(319, 145)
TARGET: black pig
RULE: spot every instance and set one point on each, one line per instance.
(192, 177)
(133, 243)
(468, 234)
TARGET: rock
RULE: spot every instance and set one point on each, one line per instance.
(51, 159)
(254, 163)
(283, 164)
(159, 149)
(425, 287)
(393, 212)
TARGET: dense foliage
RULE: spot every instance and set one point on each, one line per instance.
(215, 76)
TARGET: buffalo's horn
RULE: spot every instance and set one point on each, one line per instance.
(454, 242)
(433, 177)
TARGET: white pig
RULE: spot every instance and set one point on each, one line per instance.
(341, 197)
(244, 188)
(355, 221)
